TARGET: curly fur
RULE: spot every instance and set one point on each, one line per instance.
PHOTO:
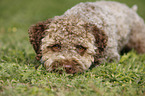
(103, 28)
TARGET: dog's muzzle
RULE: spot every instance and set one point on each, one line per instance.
(69, 66)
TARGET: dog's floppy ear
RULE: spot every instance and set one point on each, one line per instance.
(36, 33)
(100, 41)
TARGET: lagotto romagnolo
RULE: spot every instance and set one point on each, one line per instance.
(86, 35)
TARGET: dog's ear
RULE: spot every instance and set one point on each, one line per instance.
(36, 33)
(100, 41)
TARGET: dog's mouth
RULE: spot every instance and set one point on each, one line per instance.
(69, 66)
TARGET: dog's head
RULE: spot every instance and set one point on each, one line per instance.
(70, 44)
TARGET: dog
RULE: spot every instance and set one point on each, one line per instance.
(87, 35)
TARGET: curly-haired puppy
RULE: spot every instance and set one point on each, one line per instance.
(87, 34)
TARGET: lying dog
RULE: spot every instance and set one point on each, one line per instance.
(87, 34)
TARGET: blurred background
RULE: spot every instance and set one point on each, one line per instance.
(16, 16)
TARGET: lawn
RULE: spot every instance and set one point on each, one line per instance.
(18, 76)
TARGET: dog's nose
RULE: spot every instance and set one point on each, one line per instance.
(67, 66)
(69, 69)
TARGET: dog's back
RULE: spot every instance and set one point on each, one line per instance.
(121, 23)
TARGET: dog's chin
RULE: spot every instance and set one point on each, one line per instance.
(67, 66)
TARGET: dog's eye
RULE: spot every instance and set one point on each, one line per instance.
(80, 49)
(56, 47)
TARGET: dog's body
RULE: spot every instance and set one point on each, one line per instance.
(88, 33)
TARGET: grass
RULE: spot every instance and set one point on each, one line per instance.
(18, 76)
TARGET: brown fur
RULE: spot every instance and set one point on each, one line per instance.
(86, 35)
(137, 38)
(36, 33)
(100, 41)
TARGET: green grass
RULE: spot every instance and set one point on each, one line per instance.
(18, 76)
